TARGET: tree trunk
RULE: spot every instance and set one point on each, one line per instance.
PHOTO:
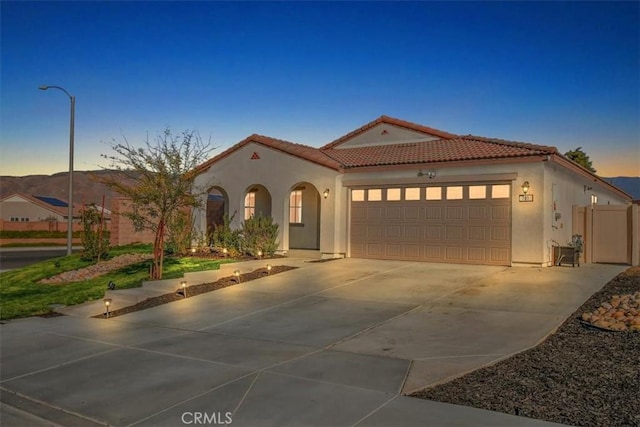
(158, 252)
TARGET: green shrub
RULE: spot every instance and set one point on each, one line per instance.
(180, 232)
(95, 238)
(223, 237)
(36, 234)
(259, 233)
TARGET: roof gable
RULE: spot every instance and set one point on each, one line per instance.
(301, 151)
(387, 130)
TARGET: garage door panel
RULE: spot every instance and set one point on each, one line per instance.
(474, 231)
(375, 250)
(375, 232)
(394, 232)
(393, 250)
(433, 232)
(478, 213)
(454, 253)
(477, 233)
(411, 213)
(433, 252)
(454, 232)
(477, 254)
(412, 251)
(500, 255)
(501, 213)
(412, 233)
(454, 213)
(393, 213)
(500, 234)
(433, 213)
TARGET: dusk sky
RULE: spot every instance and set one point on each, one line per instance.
(565, 74)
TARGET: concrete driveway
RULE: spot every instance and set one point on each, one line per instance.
(334, 343)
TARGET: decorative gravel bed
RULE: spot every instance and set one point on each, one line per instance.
(96, 270)
(197, 290)
(580, 375)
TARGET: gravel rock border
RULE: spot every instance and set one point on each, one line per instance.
(579, 375)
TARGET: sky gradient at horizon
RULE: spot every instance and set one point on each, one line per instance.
(565, 74)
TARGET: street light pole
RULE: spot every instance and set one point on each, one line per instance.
(71, 138)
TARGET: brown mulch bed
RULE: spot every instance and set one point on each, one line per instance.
(197, 290)
(578, 376)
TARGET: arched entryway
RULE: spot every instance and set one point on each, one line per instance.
(257, 201)
(304, 217)
(217, 208)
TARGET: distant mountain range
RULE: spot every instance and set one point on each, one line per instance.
(628, 184)
(87, 188)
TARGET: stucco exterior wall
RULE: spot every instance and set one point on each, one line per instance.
(279, 173)
(564, 190)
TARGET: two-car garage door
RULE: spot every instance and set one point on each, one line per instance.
(458, 223)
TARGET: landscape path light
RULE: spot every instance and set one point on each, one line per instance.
(237, 274)
(184, 288)
(107, 304)
(269, 269)
(71, 137)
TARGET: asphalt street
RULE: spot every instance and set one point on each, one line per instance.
(12, 258)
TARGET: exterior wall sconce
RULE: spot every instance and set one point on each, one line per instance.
(325, 193)
(107, 303)
(587, 188)
(525, 197)
(184, 288)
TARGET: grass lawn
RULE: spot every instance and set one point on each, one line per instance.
(21, 295)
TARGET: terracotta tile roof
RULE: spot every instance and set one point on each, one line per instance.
(298, 150)
(390, 121)
(442, 150)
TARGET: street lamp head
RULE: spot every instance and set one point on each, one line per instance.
(43, 87)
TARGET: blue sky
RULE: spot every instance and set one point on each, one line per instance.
(565, 74)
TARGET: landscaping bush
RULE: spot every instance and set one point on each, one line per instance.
(95, 237)
(259, 233)
(223, 237)
(180, 232)
(36, 234)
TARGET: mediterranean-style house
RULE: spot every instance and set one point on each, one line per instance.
(392, 189)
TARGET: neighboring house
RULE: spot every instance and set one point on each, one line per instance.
(30, 212)
(392, 189)
(27, 208)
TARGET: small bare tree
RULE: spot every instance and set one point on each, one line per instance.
(160, 182)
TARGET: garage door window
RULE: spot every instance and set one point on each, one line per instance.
(393, 194)
(374, 195)
(477, 191)
(357, 195)
(454, 193)
(500, 191)
(434, 193)
(412, 194)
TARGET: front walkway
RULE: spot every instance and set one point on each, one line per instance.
(333, 343)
